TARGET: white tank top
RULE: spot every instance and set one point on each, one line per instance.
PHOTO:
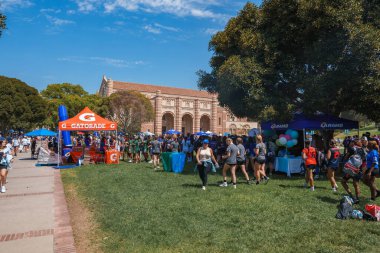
(205, 154)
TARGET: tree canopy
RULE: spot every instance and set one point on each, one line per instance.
(21, 106)
(74, 97)
(288, 56)
(130, 109)
(2, 23)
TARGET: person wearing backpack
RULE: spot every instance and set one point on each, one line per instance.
(354, 150)
(333, 157)
(372, 169)
(309, 155)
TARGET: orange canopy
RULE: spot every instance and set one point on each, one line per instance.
(87, 120)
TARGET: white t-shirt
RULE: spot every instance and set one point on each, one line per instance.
(24, 141)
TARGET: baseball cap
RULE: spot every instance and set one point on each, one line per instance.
(364, 138)
(205, 141)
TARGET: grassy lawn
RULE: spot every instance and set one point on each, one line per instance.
(139, 210)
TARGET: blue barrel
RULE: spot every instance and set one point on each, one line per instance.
(63, 115)
(178, 162)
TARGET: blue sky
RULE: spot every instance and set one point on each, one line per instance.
(161, 42)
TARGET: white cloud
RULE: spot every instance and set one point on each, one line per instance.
(168, 28)
(211, 31)
(58, 21)
(11, 4)
(50, 10)
(107, 61)
(152, 29)
(194, 8)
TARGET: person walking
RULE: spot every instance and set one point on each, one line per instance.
(333, 158)
(260, 159)
(230, 164)
(372, 162)
(205, 162)
(6, 159)
(309, 155)
(16, 144)
(241, 160)
(156, 151)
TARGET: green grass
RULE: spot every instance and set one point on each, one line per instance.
(372, 129)
(139, 210)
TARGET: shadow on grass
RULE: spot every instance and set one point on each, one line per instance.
(299, 186)
(27, 159)
(328, 200)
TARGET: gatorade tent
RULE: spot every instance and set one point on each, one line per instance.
(86, 120)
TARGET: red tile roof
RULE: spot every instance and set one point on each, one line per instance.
(117, 85)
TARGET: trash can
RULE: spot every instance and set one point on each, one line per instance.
(178, 162)
(166, 161)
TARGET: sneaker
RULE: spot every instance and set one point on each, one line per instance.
(204, 188)
(257, 182)
(129, 160)
(312, 188)
(249, 182)
(266, 180)
(224, 184)
(150, 161)
(234, 186)
(3, 190)
(334, 189)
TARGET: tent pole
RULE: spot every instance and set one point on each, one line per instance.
(304, 137)
(59, 147)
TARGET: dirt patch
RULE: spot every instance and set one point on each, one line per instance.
(86, 233)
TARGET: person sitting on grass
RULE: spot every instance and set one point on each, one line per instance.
(232, 153)
(309, 155)
(205, 162)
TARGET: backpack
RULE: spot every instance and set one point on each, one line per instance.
(352, 166)
(345, 208)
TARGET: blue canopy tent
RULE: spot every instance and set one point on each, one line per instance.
(41, 132)
(316, 122)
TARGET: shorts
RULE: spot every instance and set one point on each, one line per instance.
(270, 159)
(356, 178)
(374, 173)
(311, 167)
(240, 162)
(261, 162)
(333, 168)
(154, 153)
(231, 164)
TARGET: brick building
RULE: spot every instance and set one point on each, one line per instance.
(185, 110)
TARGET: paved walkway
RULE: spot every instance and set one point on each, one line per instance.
(33, 211)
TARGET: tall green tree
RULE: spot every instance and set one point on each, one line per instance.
(2, 23)
(21, 106)
(74, 97)
(130, 109)
(288, 56)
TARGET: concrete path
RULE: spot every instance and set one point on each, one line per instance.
(33, 211)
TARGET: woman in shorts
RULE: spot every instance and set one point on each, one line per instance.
(309, 155)
(372, 169)
(230, 164)
(6, 157)
(333, 158)
(260, 159)
(241, 160)
(354, 148)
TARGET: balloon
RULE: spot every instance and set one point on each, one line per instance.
(295, 142)
(278, 143)
(289, 144)
(287, 137)
(294, 134)
(283, 140)
(289, 131)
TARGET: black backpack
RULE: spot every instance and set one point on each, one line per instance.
(344, 209)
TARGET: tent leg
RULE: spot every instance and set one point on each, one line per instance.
(304, 138)
(59, 147)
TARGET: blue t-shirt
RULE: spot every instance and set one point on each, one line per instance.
(373, 159)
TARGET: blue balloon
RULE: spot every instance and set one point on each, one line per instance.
(294, 134)
(289, 131)
(289, 144)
